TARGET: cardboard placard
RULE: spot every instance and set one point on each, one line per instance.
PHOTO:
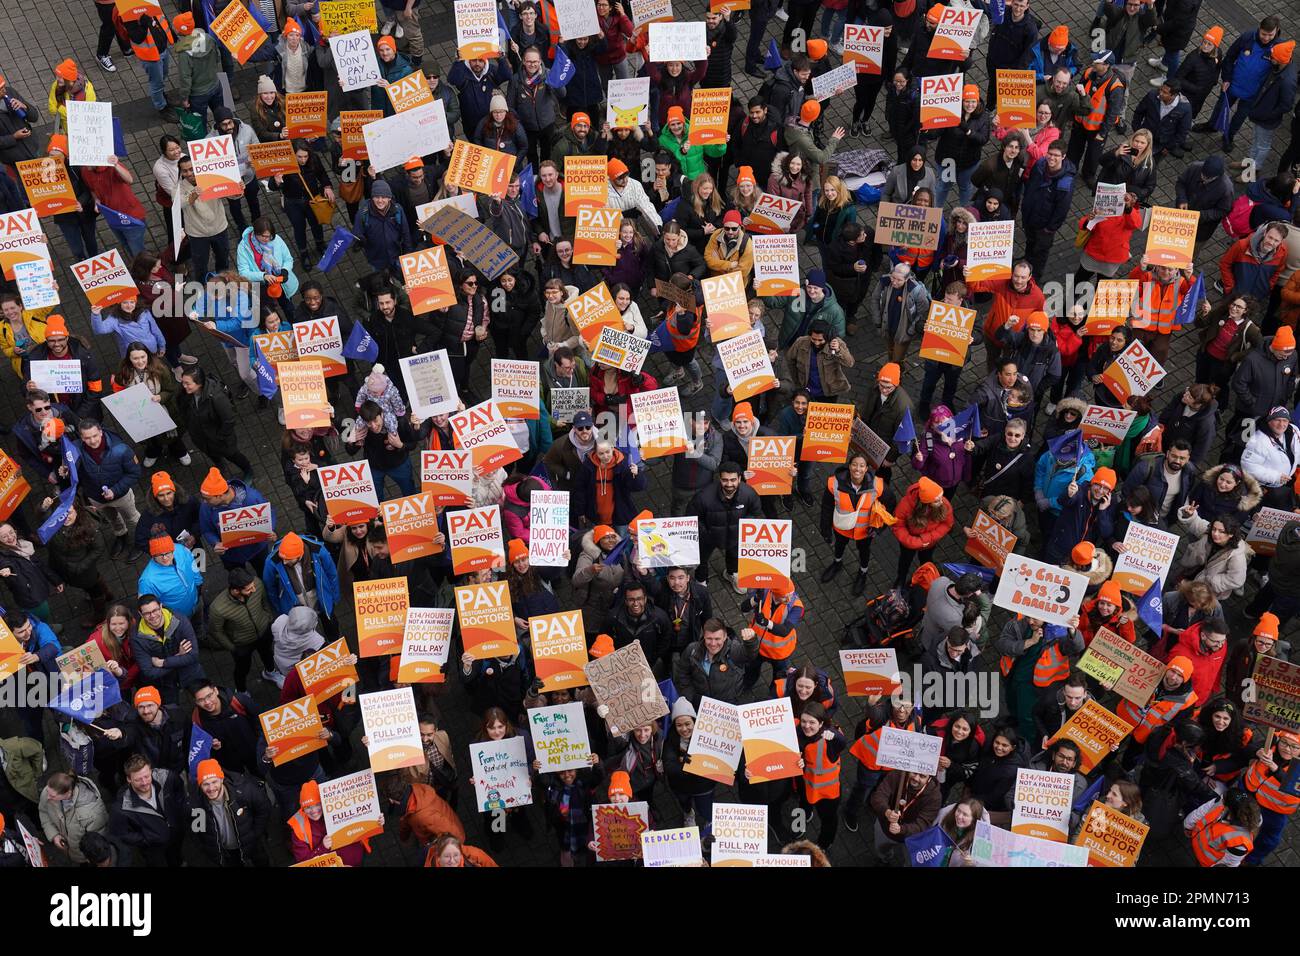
(679, 847)
(618, 829)
(912, 752)
(991, 543)
(345, 16)
(627, 103)
(90, 132)
(355, 60)
(911, 227)
(619, 349)
(559, 736)
(480, 246)
(1276, 693)
(623, 682)
(501, 774)
(420, 131)
(678, 41)
(1122, 667)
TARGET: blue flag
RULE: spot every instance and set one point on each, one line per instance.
(71, 458)
(1089, 794)
(955, 570)
(261, 20)
(968, 422)
(200, 749)
(86, 699)
(906, 433)
(267, 383)
(925, 849)
(51, 525)
(360, 345)
(773, 59)
(340, 242)
(996, 9)
(620, 549)
(208, 16)
(310, 35)
(119, 219)
(562, 70)
(528, 191)
(1221, 121)
(503, 34)
(661, 339)
(1186, 312)
(1151, 608)
(1067, 446)
(669, 690)
(119, 141)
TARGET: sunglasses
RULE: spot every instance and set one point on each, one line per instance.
(40, 408)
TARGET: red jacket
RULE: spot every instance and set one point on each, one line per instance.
(1238, 252)
(1109, 241)
(1121, 622)
(1205, 679)
(617, 29)
(1008, 302)
(126, 658)
(1068, 342)
(923, 537)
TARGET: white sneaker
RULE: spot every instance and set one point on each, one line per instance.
(106, 62)
(782, 15)
(689, 821)
(735, 584)
(675, 376)
(186, 459)
(837, 49)
(275, 677)
(149, 462)
(1157, 81)
(1156, 60)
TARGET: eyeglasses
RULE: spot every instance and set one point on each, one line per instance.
(40, 408)
(470, 282)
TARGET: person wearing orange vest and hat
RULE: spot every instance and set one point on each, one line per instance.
(1173, 695)
(896, 712)
(1110, 608)
(307, 836)
(775, 615)
(1241, 664)
(1274, 778)
(235, 812)
(1101, 91)
(922, 519)
(1160, 290)
(820, 744)
(1034, 661)
(1222, 832)
(855, 507)
(69, 84)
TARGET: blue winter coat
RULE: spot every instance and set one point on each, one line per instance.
(279, 252)
(118, 470)
(177, 586)
(1044, 64)
(383, 237)
(1051, 482)
(1246, 64)
(279, 590)
(475, 94)
(391, 73)
(1046, 200)
(1079, 515)
(211, 531)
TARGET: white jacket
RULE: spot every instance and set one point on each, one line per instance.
(1268, 463)
(632, 196)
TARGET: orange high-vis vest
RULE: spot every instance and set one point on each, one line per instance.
(1227, 776)
(1155, 714)
(683, 342)
(867, 747)
(1266, 787)
(821, 775)
(147, 50)
(552, 18)
(1212, 837)
(301, 827)
(1095, 94)
(1051, 666)
(1155, 305)
(857, 519)
(773, 646)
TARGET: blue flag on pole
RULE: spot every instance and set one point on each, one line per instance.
(119, 219)
(261, 20)
(1186, 312)
(528, 191)
(996, 9)
(906, 433)
(1067, 446)
(773, 59)
(86, 699)
(661, 339)
(310, 35)
(119, 141)
(360, 345)
(925, 849)
(71, 458)
(968, 422)
(503, 34)
(562, 70)
(267, 383)
(1151, 608)
(1089, 795)
(208, 15)
(339, 243)
(200, 749)
(50, 526)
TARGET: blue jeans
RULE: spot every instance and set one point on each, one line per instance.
(1171, 61)
(1262, 144)
(833, 24)
(156, 72)
(863, 784)
(933, 372)
(203, 103)
(80, 235)
(760, 12)
(1270, 835)
(702, 804)
(130, 236)
(401, 476)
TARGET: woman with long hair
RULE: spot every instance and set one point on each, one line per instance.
(30, 580)
(267, 115)
(700, 212)
(77, 554)
(959, 754)
(497, 725)
(1228, 333)
(958, 824)
(632, 265)
(310, 182)
(113, 638)
(834, 208)
(744, 191)
(790, 180)
(128, 321)
(501, 130)
(1226, 750)
(1133, 164)
(143, 367)
(209, 418)
(923, 518)
(1217, 552)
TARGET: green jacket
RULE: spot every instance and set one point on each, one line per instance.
(198, 71)
(24, 762)
(795, 320)
(233, 624)
(568, 144)
(800, 140)
(692, 161)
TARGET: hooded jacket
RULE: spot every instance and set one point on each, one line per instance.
(146, 644)
(1262, 381)
(623, 486)
(1244, 271)
(719, 517)
(1224, 569)
(198, 61)
(139, 825)
(722, 677)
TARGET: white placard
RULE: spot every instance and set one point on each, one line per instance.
(139, 415)
(625, 96)
(419, 131)
(560, 737)
(678, 41)
(354, 56)
(577, 19)
(905, 750)
(57, 376)
(680, 847)
(500, 770)
(465, 202)
(1046, 592)
(35, 280)
(430, 388)
(668, 542)
(548, 528)
(834, 82)
(90, 132)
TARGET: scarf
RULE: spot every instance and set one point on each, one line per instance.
(263, 255)
(583, 448)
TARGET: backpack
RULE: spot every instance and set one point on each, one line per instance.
(1237, 223)
(887, 621)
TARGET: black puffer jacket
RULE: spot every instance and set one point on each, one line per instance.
(719, 518)
(248, 806)
(725, 676)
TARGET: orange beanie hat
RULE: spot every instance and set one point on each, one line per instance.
(745, 174)
(615, 168)
(516, 550)
(810, 110)
(604, 644)
(209, 768)
(58, 141)
(215, 483)
(161, 481)
(816, 49)
(309, 795)
(1268, 625)
(161, 545)
(1083, 552)
(1184, 666)
(1283, 338)
(1110, 593)
(67, 71)
(620, 782)
(1059, 36)
(928, 490)
(183, 24)
(890, 373)
(675, 113)
(291, 547)
(1283, 52)
(147, 695)
(1214, 34)
(56, 325)
(935, 13)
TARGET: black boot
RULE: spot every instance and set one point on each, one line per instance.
(860, 585)
(832, 570)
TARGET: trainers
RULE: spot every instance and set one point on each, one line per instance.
(273, 677)
(186, 459)
(735, 584)
(675, 376)
(149, 462)
(1157, 81)
(837, 49)
(833, 569)
(691, 388)
(107, 63)
(781, 15)
(1155, 61)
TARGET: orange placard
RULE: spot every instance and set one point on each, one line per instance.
(247, 524)
(105, 280)
(953, 36)
(487, 620)
(216, 166)
(595, 237)
(328, 672)
(428, 279)
(11, 652)
(302, 392)
(381, 615)
(483, 430)
(1171, 239)
(592, 311)
(517, 388)
(409, 92)
(276, 347)
(448, 475)
(1112, 305)
(1111, 837)
(1095, 729)
(275, 158)
(826, 432)
(770, 460)
(1135, 371)
(293, 729)
(354, 142)
(726, 305)
(1017, 98)
(941, 100)
(586, 183)
(870, 671)
(306, 115)
(559, 649)
(865, 47)
(763, 552)
(239, 32)
(476, 539)
(13, 486)
(49, 190)
(321, 340)
(990, 543)
(480, 169)
(349, 490)
(710, 112)
(947, 334)
(412, 527)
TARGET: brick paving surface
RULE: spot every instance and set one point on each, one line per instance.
(34, 38)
